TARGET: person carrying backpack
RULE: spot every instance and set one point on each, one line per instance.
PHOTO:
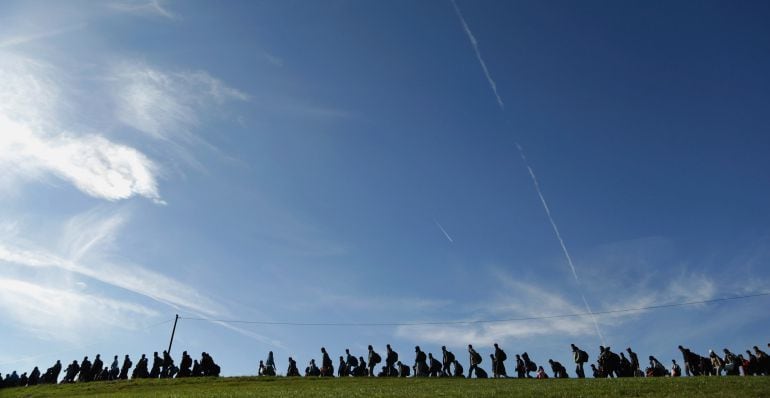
(580, 357)
(447, 360)
(390, 361)
(475, 360)
(499, 362)
(374, 359)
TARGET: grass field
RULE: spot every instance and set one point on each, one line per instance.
(300, 387)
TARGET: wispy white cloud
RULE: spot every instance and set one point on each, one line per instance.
(52, 313)
(19, 39)
(277, 61)
(85, 251)
(144, 8)
(167, 105)
(34, 142)
(475, 45)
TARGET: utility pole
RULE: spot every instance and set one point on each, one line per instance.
(172, 334)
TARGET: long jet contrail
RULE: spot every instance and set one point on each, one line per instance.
(449, 238)
(493, 86)
(475, 45)
(558, 236)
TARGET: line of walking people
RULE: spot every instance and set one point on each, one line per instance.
(87, 371)
(608, 364)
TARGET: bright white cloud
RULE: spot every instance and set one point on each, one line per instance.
(167, 105)
(33, 142)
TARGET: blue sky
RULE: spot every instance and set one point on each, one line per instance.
(349, 161)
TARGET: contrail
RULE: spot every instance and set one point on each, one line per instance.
(558, 236)
(475, 45)
(548, 212)
(449, 238)
(492, 85)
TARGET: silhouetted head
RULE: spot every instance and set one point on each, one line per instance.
(574, 347)
(517, 356)
(673, 361)
(629, 350)
(443, 348)
(601, 348)
(261, 363)
(116, 357)
(416, 348)
(341, 360)
(323, 349)
(681, 348)
(495, 345)
(430, 355)
(398, 363)
(347, 351)
(387, 346)
(370, 347)
(651, 357)
(97, 356)
(550, 361)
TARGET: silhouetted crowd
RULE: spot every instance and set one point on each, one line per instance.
(87, 371)
(608, 364)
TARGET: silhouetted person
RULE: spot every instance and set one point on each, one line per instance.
(656, 368)
(635, 367)
(140, 370)
(114, 369)
(676, 371)
(292, 371)
(529, 365)
(595, 371)
(157, 362)
(23, 380)
(104, 375)
(361, 370)
(540, 374)
(196, 369)
(403, 370)
(580, 357)
(270, 363)
(559, 371)
(608, 362)
(521, 367)
(312, 369)
(447, 359)
(208, 367)
(124, 369)
(390, 361)
(51, 375)
(499, 362)
(373, 359)
(732, 364)
(351, 362)
(474, 359)
(458, 369)
(167, 365)
(342, 368)
(624, 367)
(34, 377)
(85, 370)
(71, 371)
(184, 365)
(97, 367)
(420, 363)
(434, 366)
(763, 361)
(327, 367)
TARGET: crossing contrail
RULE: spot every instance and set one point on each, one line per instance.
(449, 238)
(535, 182)
(475, 45)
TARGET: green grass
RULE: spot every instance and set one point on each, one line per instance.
(743, 387)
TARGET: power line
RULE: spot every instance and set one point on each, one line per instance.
(473, 322)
